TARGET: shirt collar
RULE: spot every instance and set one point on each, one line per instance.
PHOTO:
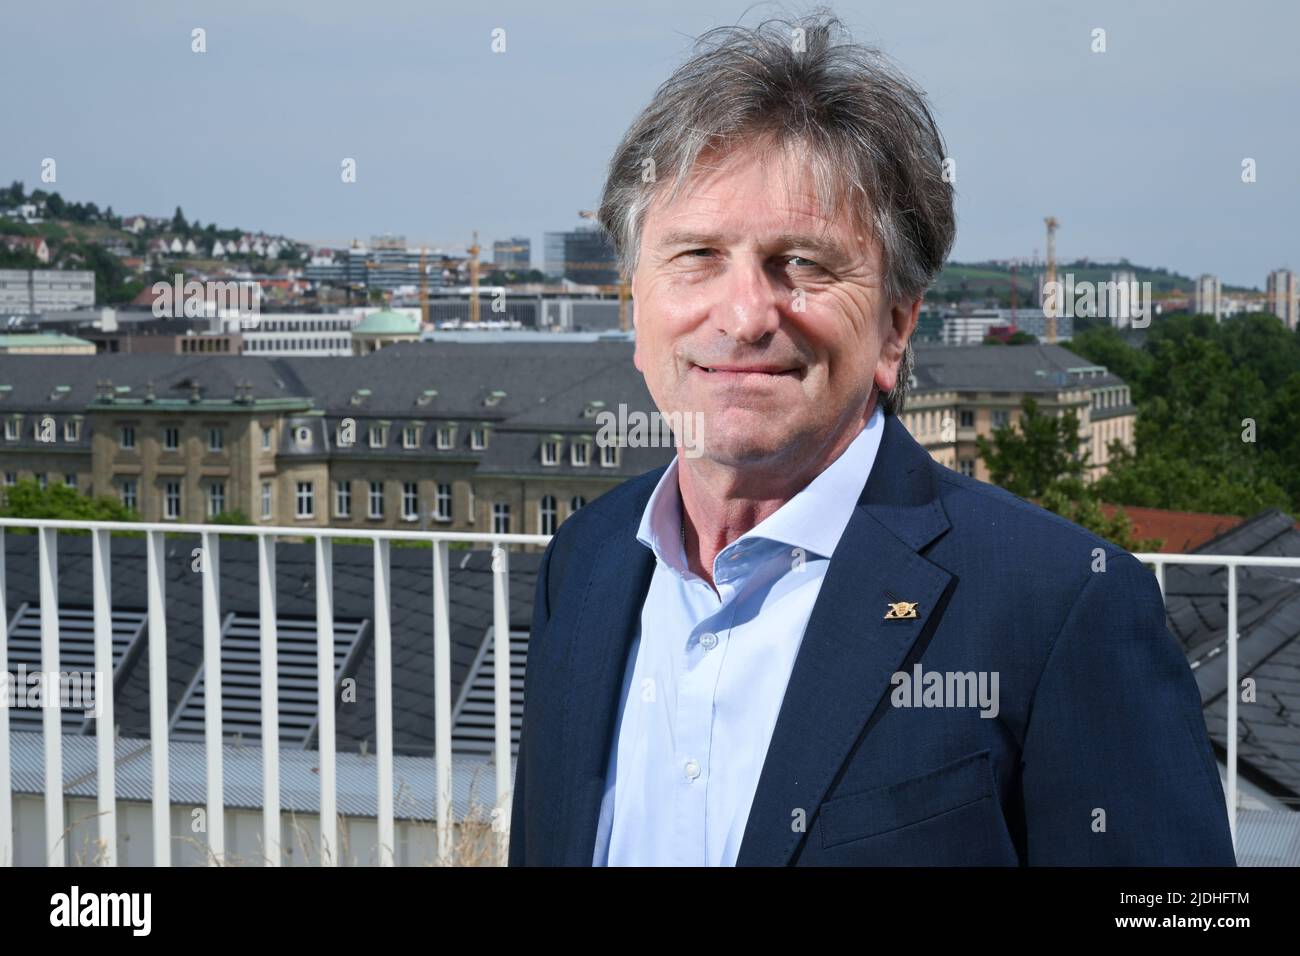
(814, 519)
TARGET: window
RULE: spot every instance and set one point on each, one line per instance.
(609, 456)
(129, 495)
(378, 436)
(266, 499)
(967, 467)
(266, 438)
(376, 499)
(11, 477)
(1001, 418)
(72, 430)
(411, 436)
(216, 498)
(579, 451)
(576, 502)
(967, 419)
(216, 439)
(445, 437)
(442, 503)
(546, 512)
(410, 501)
(478, 439)
(306, 500)
(500, 517)
(41, 480)
(70, 479)
(171, 438)
(343, 499)
(172, 499)
(550, 452)
(11, 429)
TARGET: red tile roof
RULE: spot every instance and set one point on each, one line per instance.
(1179, 531)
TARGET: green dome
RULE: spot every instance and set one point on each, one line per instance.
(387, 322)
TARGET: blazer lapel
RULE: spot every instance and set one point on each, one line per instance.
(607, 623)
(849, 649)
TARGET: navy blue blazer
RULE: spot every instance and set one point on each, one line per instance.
(1098, 755)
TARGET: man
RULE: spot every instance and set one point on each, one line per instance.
(805, 642)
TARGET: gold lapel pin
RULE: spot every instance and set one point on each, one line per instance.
(901, 610)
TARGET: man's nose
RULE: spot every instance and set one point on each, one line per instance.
(748, 310)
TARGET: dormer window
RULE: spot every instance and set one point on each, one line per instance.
(494, 397)
(411, 436)
(593, 409)
(580, 453)
(445, 437)
(609, 456)
(72, 430)
(378, 436)
(550, 452)
(478, 438)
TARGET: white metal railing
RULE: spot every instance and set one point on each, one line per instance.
(1231, 562)
(210, 535)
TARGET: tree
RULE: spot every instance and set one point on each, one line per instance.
(178, 222)
(1028, 457)
(27, 499)
(1042, 458)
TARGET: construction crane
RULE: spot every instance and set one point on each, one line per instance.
(1050, 278)
(622, 288)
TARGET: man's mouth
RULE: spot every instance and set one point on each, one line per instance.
(746, 372)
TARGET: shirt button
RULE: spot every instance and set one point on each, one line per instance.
(692, 769)
(708, 641)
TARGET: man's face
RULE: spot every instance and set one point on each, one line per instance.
(762, 315)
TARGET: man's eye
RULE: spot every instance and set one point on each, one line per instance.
(800, 262)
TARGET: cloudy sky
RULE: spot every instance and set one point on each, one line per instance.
(1137, 151)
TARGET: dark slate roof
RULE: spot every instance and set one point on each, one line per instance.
(1268, 649)
(1002, 368)
(412, 618)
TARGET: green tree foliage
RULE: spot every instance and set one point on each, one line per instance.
(1040, 450)
(27, 499)
(1217, 415)
(1041, 457)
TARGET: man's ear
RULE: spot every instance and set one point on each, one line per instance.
(897, 333)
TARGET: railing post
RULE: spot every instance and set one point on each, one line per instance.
(213, 680)
(384, 702)
(105, 725)
(1232, 700)
(158, 749)
(501, 694)
(51, 715)
(269, 650)
(329, 821)
(442, 698)
(6, 793)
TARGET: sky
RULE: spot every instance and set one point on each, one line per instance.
(1136, 150)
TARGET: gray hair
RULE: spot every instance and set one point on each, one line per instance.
(865, 129)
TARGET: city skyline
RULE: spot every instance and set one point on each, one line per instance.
(1146, 142)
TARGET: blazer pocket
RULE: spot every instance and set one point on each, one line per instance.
(872, 812)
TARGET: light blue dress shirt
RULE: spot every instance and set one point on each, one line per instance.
(707, 671)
